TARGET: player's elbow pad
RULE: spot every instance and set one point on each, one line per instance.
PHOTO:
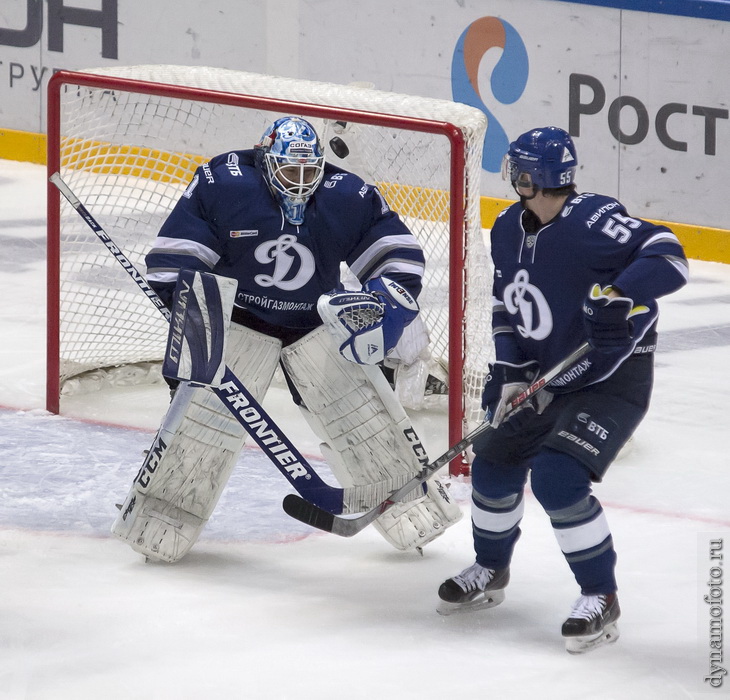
(399, 308)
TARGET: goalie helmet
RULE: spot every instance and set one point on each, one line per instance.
(543, 158)
(292, 162)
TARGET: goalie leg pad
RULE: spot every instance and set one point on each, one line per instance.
(156, 528)
(347, 413)
(363, 442)
(413, 526)
(195, 450)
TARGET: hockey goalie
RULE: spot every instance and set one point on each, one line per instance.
(279, 221)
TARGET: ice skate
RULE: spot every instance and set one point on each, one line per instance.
(475, 588)
(592, 623)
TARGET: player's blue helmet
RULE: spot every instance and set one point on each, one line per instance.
(292, 162)
(544, 158)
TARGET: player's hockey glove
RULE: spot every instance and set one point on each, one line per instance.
(606, 320)
(505, 382)
(367, 325)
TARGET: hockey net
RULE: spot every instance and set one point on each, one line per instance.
(127, 141)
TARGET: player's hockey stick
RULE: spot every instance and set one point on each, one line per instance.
(311, 514)
(244, 407)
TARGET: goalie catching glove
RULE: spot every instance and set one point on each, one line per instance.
(367, 325)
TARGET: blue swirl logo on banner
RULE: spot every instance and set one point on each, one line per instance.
(508, 79)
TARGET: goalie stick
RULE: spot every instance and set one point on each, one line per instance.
(241, 403)
(310, 514)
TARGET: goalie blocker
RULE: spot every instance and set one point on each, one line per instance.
(199, 322)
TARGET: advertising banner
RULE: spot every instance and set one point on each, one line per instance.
(644, 94)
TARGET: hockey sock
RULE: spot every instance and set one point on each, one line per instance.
(562, 485)
(497, 509)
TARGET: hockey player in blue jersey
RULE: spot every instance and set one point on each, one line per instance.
(568, 268)
(280, 221)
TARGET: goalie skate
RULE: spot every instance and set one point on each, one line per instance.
(592, 623)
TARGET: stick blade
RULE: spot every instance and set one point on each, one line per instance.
(307, 513)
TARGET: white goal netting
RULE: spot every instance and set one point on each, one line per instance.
(129, 143)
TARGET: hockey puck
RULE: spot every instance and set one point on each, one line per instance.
(339, 147)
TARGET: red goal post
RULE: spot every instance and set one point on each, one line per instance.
(127, 141)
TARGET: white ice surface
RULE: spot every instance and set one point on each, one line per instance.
(265, 608)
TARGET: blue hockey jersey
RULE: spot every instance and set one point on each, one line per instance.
(228, 223)
(543, 273)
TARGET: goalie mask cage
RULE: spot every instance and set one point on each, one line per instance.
(127, 141)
